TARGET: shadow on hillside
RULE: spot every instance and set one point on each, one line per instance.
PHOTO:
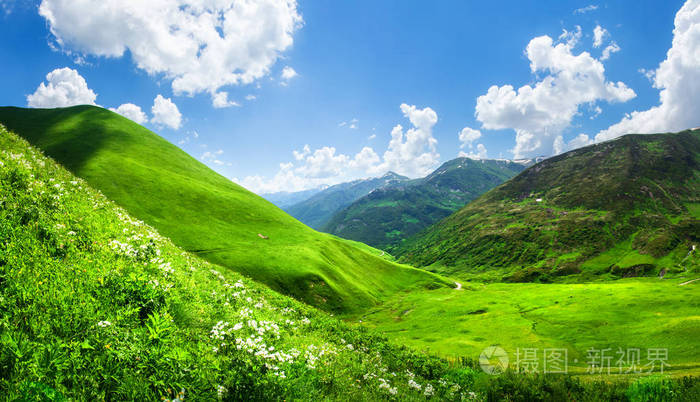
(70, 135)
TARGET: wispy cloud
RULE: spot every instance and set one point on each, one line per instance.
(352, 124)
(583, 10)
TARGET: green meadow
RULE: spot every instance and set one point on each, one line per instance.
(109, 292)
(639, 313)
(97, 305)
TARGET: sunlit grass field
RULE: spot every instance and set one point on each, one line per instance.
(96, 304)
(639, 313)
(207, 214)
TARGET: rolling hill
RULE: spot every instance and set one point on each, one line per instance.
(621, 208)
(205, 213)
(388, 215)
(318, 209)
(97, 305)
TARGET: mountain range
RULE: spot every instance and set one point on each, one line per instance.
(626, 207)
(285, 199)
(318, 209)
(390, 214)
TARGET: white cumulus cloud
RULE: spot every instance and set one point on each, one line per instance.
(200, 45)
(165, 113)
(480, 153)
(132, 112)
(467, 136)
(287, 74)
(677, 78)
(410, 152)
(599, 34)
(220, 100)
(579, 141)
(610, 49)
(323, 163)
(63, 87)
(539, 113)
(300, 155)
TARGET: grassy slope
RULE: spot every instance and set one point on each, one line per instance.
(96, 305)
(206, 213)
(620, 208)
(387, 216)
(318, 209)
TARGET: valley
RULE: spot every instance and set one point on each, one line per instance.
(635, 313)
(293, 200)
(317, 209)
(431, 326)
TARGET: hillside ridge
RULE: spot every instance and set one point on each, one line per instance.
(620, 208)
(202, 211)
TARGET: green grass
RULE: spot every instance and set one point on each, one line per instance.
(693, 209)
(623, 208)
(634, 258)
(631, 313)
(205, 213)
(97, 305)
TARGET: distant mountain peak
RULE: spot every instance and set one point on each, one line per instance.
(401, 208)
(392, 175)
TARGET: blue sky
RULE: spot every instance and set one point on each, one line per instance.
(356, 70)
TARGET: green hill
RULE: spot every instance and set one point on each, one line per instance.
(97, 305)
(388, 215)
(317, 210)
(627, 207)
(205, 213)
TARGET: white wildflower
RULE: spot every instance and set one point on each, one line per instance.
(413, 384)
(221, 391)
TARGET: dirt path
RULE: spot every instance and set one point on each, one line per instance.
(459, 286)
(690, 281)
